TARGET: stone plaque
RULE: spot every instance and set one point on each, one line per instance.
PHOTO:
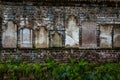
(89, 39)
(106, 36)
(41, 37)
(72, 33)
(57, 38)
(26, 38)
(116, 38)
(9, 35)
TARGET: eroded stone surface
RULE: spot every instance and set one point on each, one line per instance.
(89, 34)
(26, 38)
(117, 36)
(9, 37)
(106, 36)
(56, 39)
(72, 33)
(41, 37)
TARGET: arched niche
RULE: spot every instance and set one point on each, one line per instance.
(9, 35)
(89, 33)
(26, 38)
(72, 32)
(41, 37)
(57, 38)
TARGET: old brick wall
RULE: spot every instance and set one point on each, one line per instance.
(61, 55)
(63, 26)
(93, 31)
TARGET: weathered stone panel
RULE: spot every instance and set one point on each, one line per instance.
(41, 37)
(9, 36)
(89, 34)
(56, 38)
(106, 36)
(116, 38)
(26, 38)
(72, 33)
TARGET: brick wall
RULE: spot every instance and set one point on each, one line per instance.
(61, 55)
(50, 17)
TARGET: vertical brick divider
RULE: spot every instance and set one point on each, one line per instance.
(0, 33)
(33, 38)
(0, 37)
(64, 16)
(98, 35)
(113, 34)
(49, 39)
(18, 36)
(80, 32)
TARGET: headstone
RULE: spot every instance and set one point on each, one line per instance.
(72, 33)
(106, 36)
(89, 39)
(41, 37)
(26, 38)
(9, 36)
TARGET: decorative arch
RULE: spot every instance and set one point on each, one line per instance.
(71, 17)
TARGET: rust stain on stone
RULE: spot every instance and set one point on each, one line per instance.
(106, 36)
(89, 34)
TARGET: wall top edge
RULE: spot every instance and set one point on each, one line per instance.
(82, 4)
